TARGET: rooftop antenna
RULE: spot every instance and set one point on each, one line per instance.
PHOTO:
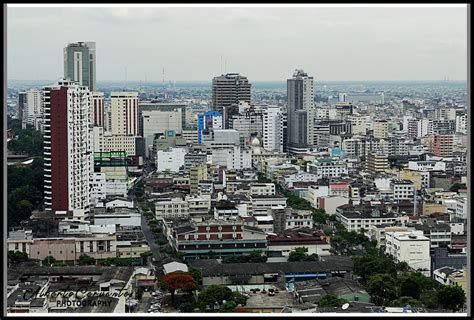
(221, 65)
(225, 69)
(163, 77)
(125, 76)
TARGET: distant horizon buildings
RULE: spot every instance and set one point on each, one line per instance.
(67, 147)
(80, 63)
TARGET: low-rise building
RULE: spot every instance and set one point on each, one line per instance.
(411, 247)
(217, 238)
(282, 244)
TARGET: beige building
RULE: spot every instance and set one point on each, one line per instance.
(124, 113)
(376, 162)
(197, 174)
(381, 129)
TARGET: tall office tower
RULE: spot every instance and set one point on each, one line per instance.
(227, 91)
(22, 103)
(33, 111)
(80, 63)
(273, 128)
(67, 146)
(97, 109)
(442, 145)
(124, 113)
(301, 111)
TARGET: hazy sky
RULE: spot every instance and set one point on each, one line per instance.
(260, 43)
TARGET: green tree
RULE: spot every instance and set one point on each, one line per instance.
(413, 283)
(455, 187)
(429, 298)
(85, 260)
(213, 295)
(228, 307)
(331, 300)
(404, 300)
(197, 275)
(382, 288)
(300, 254)
(370, 264)
(15, 257)
(187, 307)
(451, 297)
(320, 216)
(139, 293)
(49, 260)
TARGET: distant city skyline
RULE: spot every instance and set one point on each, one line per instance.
(263, 44)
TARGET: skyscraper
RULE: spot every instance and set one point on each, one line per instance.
(67, 146)
(97, 109)
(273, 128)
(227, 91)
(124, 113)
(80, 63)
(300, 110)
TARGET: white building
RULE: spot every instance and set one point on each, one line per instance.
(261, 204)
(411, 247)
(461, 123)
(298, 218)
(355, 220)
(159, 121)
(124, 113)
(330, 204)
(171, 159)
(171, 208)
(121, 216)
(461, 208)
(429, 165)
(301, 176)
(273, 128)
(315, 192)
(235, 157)
(262, 189)
(402, 190)
(33, 111)
(98, 187)
(327, 168)
(265, 223)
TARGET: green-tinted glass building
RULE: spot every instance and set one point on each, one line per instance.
(80, 63)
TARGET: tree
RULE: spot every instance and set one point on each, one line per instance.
(382, 288)
(227, 307)
(85, 260)
(413, 283)
(429, 298)
(49, 260)
(451, 297)
(213, 295)
(404, 300)
(370, 264)
(15, 257)
(177, 281)
(139, 293)
(320, 216)
(197, 275)
(455, 187)
(187, 307)
(300, 254)
(331, 300)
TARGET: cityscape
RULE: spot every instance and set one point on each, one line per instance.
(234, 195)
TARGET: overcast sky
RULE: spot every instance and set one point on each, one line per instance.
(260, 43)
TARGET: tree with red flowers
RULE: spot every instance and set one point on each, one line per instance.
(177, 281)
